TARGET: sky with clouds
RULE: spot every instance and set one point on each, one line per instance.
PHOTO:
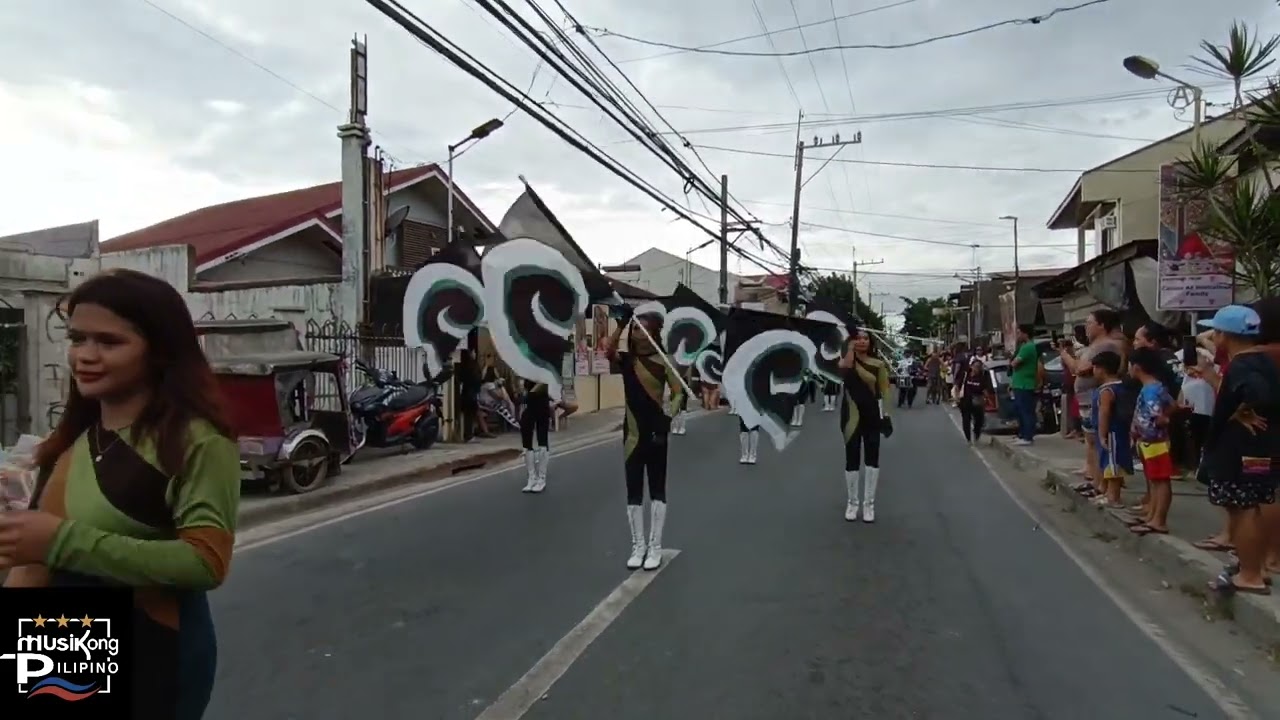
(133, 111)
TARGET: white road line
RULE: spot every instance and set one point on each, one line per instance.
(516, 701)
(439, 486)
(1229, 702)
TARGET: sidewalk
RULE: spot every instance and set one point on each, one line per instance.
(366, 476)
(1191, 518)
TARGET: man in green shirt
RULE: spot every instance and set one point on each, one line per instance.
(1023, 381)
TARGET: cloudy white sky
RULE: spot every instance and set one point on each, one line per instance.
(132, 111)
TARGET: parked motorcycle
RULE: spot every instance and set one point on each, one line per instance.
(388, 411)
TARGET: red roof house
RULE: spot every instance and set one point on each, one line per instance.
(298, 233)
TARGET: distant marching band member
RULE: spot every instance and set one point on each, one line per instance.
(535, 424)
(830, 395)
(863, 419)
(750, 442)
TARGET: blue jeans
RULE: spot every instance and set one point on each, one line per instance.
(1024, 405)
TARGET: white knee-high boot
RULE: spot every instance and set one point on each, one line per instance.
(744, 442)
(657, 521)
(542, 455)
(870, 481)
(852, 501)
(531, 468)
(753, 444)
(635, 522)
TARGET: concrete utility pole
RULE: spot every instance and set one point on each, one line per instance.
(353, 294)
(793, 281)
(1017, 275)
(855, 277)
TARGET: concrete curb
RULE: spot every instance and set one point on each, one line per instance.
(257, 515)
(1186, 567)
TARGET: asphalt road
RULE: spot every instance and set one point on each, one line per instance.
(952, 605)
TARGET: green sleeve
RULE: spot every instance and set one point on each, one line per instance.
(207, 500)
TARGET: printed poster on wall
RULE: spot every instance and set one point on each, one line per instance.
(581, 349)
(1195, 270)
(600, 333)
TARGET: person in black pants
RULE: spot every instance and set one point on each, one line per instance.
(975, 387)
(535, 424)
(468, 387)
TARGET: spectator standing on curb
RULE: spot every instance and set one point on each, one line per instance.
(1099, 330)
(1243, 439)
(1269, 313)
(1150, 432)
(1025, 377)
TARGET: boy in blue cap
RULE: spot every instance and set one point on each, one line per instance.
(1244, 434)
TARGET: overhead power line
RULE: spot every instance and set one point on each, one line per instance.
(429, 36)
(766, 34)
(934, 166)
(1034, 20)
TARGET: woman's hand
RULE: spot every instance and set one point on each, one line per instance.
(25, 537)
(1251, 421)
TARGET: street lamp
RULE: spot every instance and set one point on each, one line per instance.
(483, 131)
(1149, 69)
(1017, 275)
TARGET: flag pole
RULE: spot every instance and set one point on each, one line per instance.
(665, 359)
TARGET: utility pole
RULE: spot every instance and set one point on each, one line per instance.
(724, 239)
(855, 278)
(355, 196)
(793, 281)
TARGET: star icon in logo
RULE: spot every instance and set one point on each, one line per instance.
(86, 621)
(39, 620)
(63, 620)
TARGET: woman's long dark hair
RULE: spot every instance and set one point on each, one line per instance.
(182, 383)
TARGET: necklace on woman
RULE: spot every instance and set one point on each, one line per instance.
(97, 437)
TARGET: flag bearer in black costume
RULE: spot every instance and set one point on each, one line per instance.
(863, 420)
(749, 440)
(646, 376)
(808, 391)
(830, 396)
(535, 423)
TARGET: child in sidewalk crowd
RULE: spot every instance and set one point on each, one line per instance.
(1112, 427)
(1196, 400)
(1150, 434)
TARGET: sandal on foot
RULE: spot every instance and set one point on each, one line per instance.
(1212, 545)
(1145, 529)
(1234, 569)
(1133, 522)
(1226, 585)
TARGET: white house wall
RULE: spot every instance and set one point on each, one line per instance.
(45, 350)
(420, 208)
(302, 255)
(661, 271)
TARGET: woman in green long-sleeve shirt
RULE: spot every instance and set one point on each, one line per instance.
(139, 484)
